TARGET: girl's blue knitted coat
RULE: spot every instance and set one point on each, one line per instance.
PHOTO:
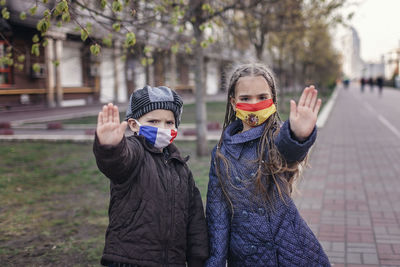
(254, 235)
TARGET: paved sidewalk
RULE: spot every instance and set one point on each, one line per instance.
(351, 194)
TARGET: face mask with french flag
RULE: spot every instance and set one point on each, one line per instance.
(158, 137)
(255, 114)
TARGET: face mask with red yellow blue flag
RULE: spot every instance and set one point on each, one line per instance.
(158, 137)
(255, 114)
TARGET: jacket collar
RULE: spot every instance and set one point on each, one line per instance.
(234, 141)
(172, 149)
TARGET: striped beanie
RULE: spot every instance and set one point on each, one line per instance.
(149, 98)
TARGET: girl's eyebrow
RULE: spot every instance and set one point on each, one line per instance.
(264, 94)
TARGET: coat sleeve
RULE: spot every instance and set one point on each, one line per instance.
(218, 220)
(197, 239)
(118, 162)
(291, 149)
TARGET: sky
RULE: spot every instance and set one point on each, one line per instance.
(378, 25)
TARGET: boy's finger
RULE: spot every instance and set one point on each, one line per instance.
(116, 115)
(110, 112)
(100, 118)
(303, 97)
(122, 126)
(317, 106)
(105, 114)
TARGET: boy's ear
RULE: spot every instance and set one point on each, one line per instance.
(133, 125)
(233, 103)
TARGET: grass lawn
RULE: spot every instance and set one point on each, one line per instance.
(54, 201)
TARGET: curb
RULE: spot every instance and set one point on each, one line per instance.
(324, 114)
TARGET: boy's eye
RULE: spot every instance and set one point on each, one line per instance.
(153, 121)
(170, 122)
(244, 99)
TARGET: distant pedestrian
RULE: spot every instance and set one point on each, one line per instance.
(346, 83)
(371, 83)
(156, 215)
(252, 219)
(379, 83)
(363, 81)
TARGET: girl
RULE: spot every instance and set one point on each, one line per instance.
(252, 220)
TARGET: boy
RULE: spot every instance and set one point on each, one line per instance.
(156, 215)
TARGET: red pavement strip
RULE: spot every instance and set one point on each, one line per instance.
(350, 194)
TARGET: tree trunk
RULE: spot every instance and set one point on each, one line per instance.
(201, 112)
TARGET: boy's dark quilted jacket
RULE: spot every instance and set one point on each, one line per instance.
(256, 236)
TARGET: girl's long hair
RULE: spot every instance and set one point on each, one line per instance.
(272, 173)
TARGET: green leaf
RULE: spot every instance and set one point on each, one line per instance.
(36, 67)
(5, 13)
(43, 25)
(130, 39)
(193, 41)
(204, 44)
(45, 1)
(107, 41)
(22, 15)
(147, 49)
(56, 63)
(66, 17)
(33, 10)
(116, 6)
(175, 48)
(20, 67)
(2, 2)
(46, 13)
(35, 38)
(59, 24)
(95, 49)
(84, 35)
(202, 27)
(116, 26)
(45, 42)
(21, 58)
(35, 50)
(188, 49)
(103, 4)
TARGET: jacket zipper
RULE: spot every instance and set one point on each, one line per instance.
(172, 215)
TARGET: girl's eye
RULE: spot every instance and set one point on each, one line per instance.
(153, 121)
(244, 99)
(170, 122)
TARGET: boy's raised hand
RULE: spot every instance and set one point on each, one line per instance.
(303, 117)
(109, 129)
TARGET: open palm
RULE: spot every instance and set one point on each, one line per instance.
(304, 115)
(109, 129)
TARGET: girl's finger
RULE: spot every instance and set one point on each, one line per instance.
(293, 109)
(303, 97)
(317, 106)
(313, 100)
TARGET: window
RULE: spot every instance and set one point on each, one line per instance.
(5, 70)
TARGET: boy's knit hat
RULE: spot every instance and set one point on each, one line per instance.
(149, 98)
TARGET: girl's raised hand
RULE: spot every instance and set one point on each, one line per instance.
(303, 117)
(109, 129)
